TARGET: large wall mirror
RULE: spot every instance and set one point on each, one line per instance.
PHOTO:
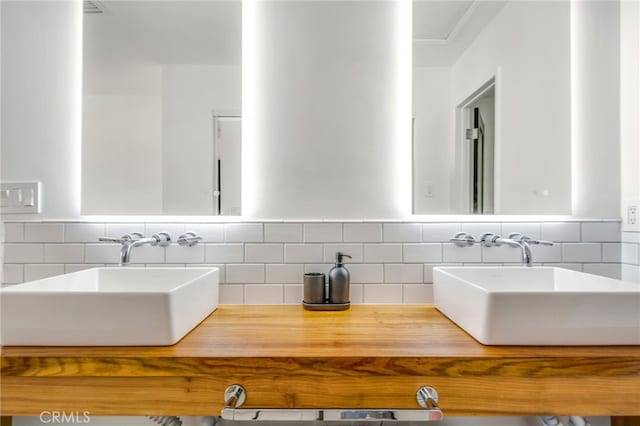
(492, 107)
(161, 108)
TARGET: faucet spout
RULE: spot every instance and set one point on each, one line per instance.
(128, 246)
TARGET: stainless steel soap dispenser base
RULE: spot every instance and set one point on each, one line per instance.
(326, 306)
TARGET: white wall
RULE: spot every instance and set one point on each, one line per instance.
(527, 48)
(433, 139)
(328, 86)
(630, 99)
(595, 56)
(41, 83)
(190, 94)
(122, 139)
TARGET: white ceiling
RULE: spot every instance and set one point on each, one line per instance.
(436, 19)
(209, 31)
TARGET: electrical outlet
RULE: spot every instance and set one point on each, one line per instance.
(631, 219)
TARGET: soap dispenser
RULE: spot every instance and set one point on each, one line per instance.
(339, 280)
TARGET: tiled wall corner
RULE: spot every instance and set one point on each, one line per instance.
(263, 263)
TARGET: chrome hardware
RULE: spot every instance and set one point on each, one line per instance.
(519, 237)
(163, 239)
(189, 239)
(427, 397)
(462, 239)
(235, 396)
(489, 239)
(135, 239)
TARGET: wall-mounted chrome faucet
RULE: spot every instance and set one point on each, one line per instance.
(489, 239)
(135, 239)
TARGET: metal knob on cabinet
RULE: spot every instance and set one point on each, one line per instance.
(235, 396)
(189, 239)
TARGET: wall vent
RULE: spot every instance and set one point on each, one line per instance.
(92, 7)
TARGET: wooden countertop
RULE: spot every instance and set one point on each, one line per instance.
(373, 342)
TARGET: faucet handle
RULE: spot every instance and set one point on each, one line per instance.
(189, 239)
(519, 237)
(112, 240)
(462, 239)
(163, 239)
(489, 239)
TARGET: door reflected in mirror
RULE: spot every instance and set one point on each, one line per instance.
(161, 131)
(492, 107)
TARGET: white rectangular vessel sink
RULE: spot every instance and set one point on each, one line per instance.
(108, 307)
(538, 306)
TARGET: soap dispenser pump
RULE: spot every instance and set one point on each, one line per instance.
(339, 280)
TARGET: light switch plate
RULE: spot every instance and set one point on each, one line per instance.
(20, 197)
(631, 215)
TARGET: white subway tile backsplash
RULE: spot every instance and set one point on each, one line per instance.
(362, 232)
(284, 274)
(293, 294)
(609, 270)
(601, 231)
(264, 294)
(185, 254)
(439, 232)
(631, 273)
(531, 230)
(402, 232)
(413, 294)
(303, 253)
(43, 232)
(353, 250)
(323, 232)
(630, 253)
(23, 253)
(85, 232)
(13, 232)
(631, 237)
(70, 267)
(611, 252)
(455, 254)
(546, 254)
(102, 253)
(276, 257)
(221, 269)
(581, 252)
(231, 294)
(283, 232)
(243, 233)
(210, 232)
(148, 254)
(64, 253)
(561, 232)
(422, 253)
(356, 294)
(403, 273)
(502, 254)
(366, 273)
(173, 229)
(380, 253)
(224, 253)
(570, 266)
(322, 268)
(383, 293)
(117, 230)
(477, 229)
(38, 272)
(13, 273)
(245, 273)
(264, 253)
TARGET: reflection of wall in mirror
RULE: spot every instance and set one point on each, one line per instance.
(527, 47)
(160, 161)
